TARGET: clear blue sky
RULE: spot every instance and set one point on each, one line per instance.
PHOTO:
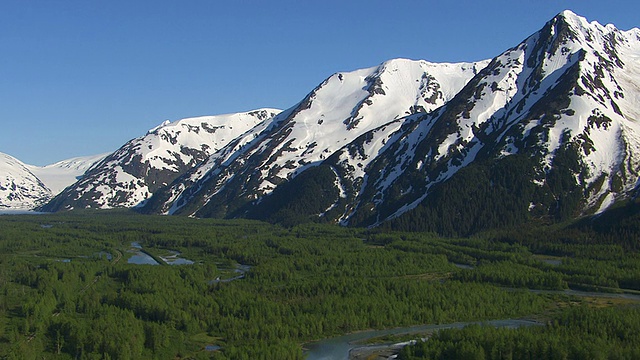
(83, 77)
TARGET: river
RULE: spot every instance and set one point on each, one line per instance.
(175, 259)
(142, 258)
(338, 348)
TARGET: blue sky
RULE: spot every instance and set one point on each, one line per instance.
(83, 77)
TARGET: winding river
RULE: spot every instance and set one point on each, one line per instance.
(142, 258)
(338, 348)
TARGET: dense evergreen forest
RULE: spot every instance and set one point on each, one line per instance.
(261, 291)
(578, 333)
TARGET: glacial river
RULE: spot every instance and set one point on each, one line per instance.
(338, 348)
(142, 258)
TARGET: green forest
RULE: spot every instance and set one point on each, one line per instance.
(253, 290)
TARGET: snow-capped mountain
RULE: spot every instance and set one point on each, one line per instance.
(25, 187)
(564, 102)
(548, 129)
(132, 173)
(342, 108)
(59, 175)
(20, 189)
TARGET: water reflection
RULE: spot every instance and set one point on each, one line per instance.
(140, 257)
(174, 259)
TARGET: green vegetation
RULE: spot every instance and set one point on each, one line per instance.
(579, 333)
(62, 298)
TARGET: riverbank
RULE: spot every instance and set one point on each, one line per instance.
(350, 346)
(359, 345)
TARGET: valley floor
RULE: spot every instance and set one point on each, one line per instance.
(250, 290)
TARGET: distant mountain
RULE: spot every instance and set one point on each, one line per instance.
(20, 189)
(25, 187)
(131, 174)
(548, 130)
(59, 175)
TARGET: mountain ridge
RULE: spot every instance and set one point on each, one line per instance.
(315, 128)
(549, 128)
(128, 176)
(545, 75)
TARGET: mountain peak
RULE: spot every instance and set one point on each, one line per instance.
(578, 21)
(570, 15)
(581, 23)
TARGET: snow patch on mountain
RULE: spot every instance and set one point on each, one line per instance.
(348, 105)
